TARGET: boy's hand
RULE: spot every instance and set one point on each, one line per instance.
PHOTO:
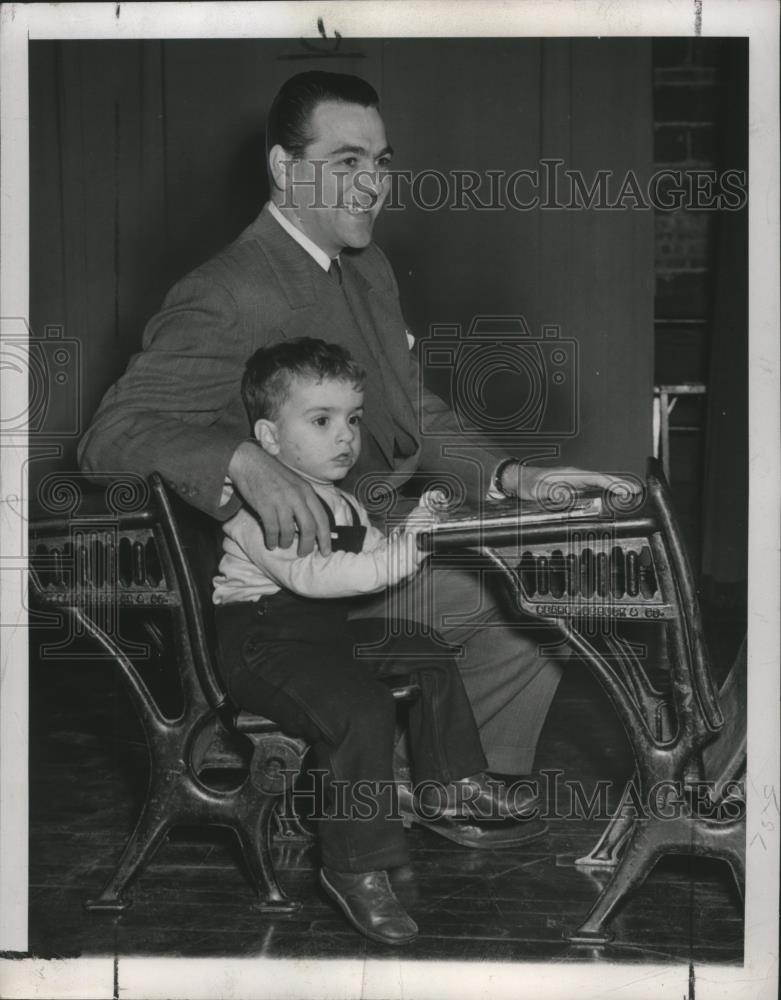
(403, 548)
(431, 505)
(421, 518)
(436, 501)
(281, 499)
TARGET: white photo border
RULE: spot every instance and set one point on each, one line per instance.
(195, 978)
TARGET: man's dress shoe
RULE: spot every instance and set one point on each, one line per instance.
(499, 822)
(477, 797)
(368, 902)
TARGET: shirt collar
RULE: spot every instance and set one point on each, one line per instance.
(314, 251)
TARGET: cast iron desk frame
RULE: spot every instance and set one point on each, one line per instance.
(693, 738)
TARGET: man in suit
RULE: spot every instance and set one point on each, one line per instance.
(307, 267)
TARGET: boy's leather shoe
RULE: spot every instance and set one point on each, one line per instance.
(368, 902)
(477, 797)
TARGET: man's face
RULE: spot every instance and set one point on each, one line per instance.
(317, 430)
(337, 189)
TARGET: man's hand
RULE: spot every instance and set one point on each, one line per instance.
(281, 500)
(540, 484)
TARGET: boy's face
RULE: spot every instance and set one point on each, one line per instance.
(317, 430)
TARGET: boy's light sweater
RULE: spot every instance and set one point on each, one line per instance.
(248, 570)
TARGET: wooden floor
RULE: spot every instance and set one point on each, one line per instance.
(88, 761)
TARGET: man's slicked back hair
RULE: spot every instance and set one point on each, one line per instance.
(290, 115)
(269, 372)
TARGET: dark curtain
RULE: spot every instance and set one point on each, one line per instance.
(725, 507)
(147, 156)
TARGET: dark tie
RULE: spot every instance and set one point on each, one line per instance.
(335, 270)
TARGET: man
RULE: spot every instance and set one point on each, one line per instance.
(307, 267)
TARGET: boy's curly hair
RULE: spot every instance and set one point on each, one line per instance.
(269, 372)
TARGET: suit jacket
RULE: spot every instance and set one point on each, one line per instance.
(178, 410)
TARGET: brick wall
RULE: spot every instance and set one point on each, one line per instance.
(686, 81)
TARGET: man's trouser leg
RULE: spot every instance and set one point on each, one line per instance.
(509, 682)
(443, 737)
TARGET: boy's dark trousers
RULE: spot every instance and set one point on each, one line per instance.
(294, 660)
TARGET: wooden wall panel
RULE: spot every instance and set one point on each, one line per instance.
(148, 156)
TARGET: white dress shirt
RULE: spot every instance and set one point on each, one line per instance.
(314, 251)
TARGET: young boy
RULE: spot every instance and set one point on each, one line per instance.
(288, 649)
